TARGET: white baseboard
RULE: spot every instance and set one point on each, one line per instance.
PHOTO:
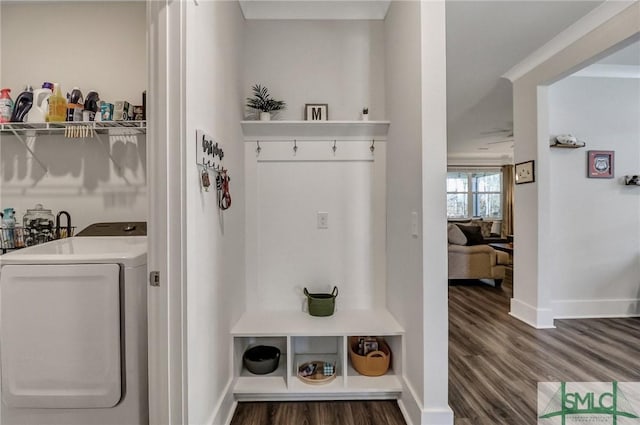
(415, 414)
(583, 309)
(539, 318)
(225, 407)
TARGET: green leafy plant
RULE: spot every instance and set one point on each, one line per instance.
(263, 101)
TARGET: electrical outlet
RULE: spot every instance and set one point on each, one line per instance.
(323, 220)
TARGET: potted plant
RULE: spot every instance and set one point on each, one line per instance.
(263, 102)
(365, 114)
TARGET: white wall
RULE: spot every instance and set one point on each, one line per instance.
(291, 251)
(533, 258)
(416, 158)
(595, 222)
(81, 179)
(404, 189)
(340, 63)
(215, 240)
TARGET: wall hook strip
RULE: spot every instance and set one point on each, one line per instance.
(207, 165)
(373, 147)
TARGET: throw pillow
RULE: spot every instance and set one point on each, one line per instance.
(473, 234)
(455, 235)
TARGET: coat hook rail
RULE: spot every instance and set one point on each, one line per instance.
(213, 167)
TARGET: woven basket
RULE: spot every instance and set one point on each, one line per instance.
(375, 363)
(321, 304)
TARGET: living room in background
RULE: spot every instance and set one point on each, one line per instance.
(474, 192)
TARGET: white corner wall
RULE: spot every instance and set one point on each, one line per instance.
(340, 63)
(39, 44)
(215, 240)
(595, 226)
(416, 170)
(533, 258)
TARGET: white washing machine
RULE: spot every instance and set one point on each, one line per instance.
(73, 333)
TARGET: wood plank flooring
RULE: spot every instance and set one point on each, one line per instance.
(384, 412)
(496, 361)
(495, 364)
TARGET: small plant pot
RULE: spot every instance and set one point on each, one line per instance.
(321, 304)
(265, 116)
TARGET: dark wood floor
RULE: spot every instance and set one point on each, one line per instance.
(495, 364)
(385, 412)
(496, 361)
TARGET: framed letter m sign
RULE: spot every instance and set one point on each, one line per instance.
(316, 112)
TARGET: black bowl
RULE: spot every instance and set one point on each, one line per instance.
(261, 359)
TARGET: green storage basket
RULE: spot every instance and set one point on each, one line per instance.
(321, 304)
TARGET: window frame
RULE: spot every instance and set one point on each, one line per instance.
(472, 194)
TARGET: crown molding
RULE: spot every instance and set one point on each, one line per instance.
(573, 33)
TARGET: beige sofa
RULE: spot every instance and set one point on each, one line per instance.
(475, 261)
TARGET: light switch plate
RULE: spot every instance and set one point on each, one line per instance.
(323, 220)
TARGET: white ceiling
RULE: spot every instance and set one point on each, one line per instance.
(485, 39)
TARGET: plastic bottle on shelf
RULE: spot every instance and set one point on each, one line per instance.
(74, 106)
(6, 106)
(22, 105)
(57, 105)
(90, 106)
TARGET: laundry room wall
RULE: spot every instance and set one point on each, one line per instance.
(595, 221)
(215, 239)
(95, 46)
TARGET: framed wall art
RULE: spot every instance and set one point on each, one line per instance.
(525, 172)
(600, 164)
(316, 112)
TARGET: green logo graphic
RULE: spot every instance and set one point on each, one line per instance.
(589, 405)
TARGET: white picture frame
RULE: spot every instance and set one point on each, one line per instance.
(316, 112)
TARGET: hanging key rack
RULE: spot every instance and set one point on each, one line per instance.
(209, 156)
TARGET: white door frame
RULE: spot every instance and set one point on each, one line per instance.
(165, 174)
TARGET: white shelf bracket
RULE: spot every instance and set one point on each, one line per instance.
(26, 145)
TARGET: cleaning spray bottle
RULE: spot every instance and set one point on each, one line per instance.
(6, 106)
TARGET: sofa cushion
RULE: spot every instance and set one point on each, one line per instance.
(485, 226)
(472, 233)
(455, 235)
